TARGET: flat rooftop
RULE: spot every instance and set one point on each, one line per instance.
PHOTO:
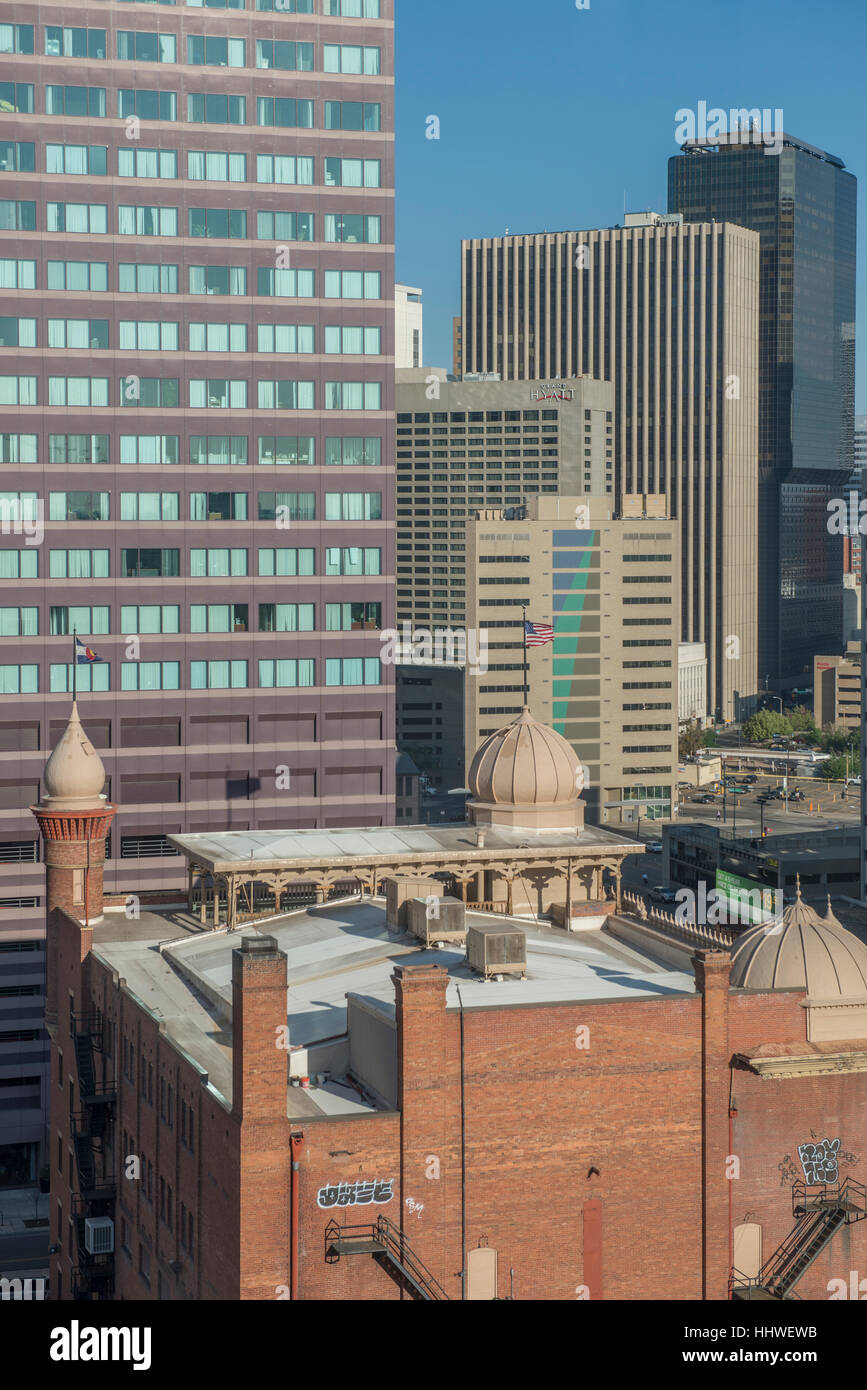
(270, 849)
(183, 974)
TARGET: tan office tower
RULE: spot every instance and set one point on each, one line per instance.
(607, 582)
(669, 314)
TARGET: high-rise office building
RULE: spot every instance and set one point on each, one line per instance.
(408, 327)
(608, 581)
(669, 314)
(801, 202)
(185, 191)
(483, 443)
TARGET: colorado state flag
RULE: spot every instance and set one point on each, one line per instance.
(85, 656)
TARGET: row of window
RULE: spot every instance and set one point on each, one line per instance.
(218, 223)
(215, 563)
(204, 675)
(202, 50)
(346, 9)
(155, 278)
(210, 166)
(154, 392)
(213, 108)
(93, 620)
(149, 335)
(206, 450)
(204, 506)
(442, 417)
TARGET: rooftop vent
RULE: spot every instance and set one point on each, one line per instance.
(495, 950)
(434, 919)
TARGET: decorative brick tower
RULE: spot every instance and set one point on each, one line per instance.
(74, 819)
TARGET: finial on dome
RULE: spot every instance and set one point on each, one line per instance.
(74, 775)
(798, 887)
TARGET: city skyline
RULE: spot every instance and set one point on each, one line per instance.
(565, 183)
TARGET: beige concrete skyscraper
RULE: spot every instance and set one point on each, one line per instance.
(668, 313)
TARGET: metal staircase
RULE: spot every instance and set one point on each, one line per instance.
(390, 1248)
(820, 1212)
(93, 1278)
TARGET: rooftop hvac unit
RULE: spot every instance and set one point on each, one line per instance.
(99, 1235)
(437, 919)
(496, 950)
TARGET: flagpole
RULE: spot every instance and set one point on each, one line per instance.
(526, 672)
(74, 663)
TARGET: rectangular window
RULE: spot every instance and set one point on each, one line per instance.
(18, 332)
(218, 337)
(287, 450)
(204, 51)
(16, 96)
(353, 284)
(147, 221)
(352, 9)
(91, 218)
(18, 390)
(146, 46)
(355, 670)
(80, 276)
(147, 103)
(149, 506)
(353, 226)
(218, 450)
(218, 279)
(17, 216)
(285, 6)
(19, 564)
(354, 342)
(73, 43)
(223, 223)
(147, 335)
(19, 275)
(284, 617)
(74, 101)
(147, 164)
(352, 617)
(149, 448)
(218, 675)
(290, 57)
(352, 173)
(78, 390)
(285, 284)
(287, 506)
(150, 618)
(350, 58)
(140, 278)
(76, 159)
(353, 395)
(216, 108)
(85, 620)
(219, 617)
(149, 392)
(286, 395)
(17, 156)
(218, 394)
(19, 448)
(285, 111)
(277, 563)
(16, 38)
(150, 675)
(285, 226)
(218, 564)
(78, 564)
(216, 166)
(141, 563)
(353, 115)
(353, 506)
(19, 680)
(78, 448)
(78, 506)
(352, 451)
(284, 337)
(218, 506)
(285, 675)
(284, 168)
(352, 560)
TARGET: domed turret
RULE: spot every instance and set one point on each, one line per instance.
(74, 775)
(526, 775)
(802, 950)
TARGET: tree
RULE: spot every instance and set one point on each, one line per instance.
(836, 768)
(765, 724)
(836, 738)
(690, 740)
(802, 721)
(709, 738)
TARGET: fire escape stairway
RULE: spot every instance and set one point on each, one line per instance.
(390, 1248)
(820, 1212)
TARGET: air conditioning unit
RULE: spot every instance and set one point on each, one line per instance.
(99, 1235)
(437, 919)
(496, 950)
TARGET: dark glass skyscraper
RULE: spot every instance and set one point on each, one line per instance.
(802, 203)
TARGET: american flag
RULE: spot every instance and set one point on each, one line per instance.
(537, 634)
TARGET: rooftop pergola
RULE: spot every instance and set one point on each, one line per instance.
(223, 867)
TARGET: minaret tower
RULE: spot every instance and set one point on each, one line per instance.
(74, 819)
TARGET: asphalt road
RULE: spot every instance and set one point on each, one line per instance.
(24, 1250)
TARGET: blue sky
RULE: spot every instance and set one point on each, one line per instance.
(551, 116)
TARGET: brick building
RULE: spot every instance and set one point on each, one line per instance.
(633, 1112)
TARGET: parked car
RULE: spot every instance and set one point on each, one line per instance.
(664, 895)
(653, 847)
(750, 778)
(706, 799)
(739, 790)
